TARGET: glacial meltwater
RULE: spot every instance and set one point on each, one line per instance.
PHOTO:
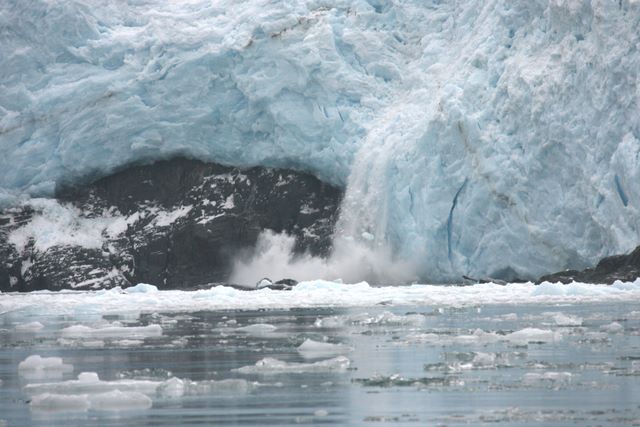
(323, 353)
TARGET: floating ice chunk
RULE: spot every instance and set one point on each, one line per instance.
(141, 288)
(90, 383)
(596, 337)
(484, 359)
(81, 331)
(51, 402)
(172, 388)
(552, 377)
(29, 327)
(228, 387)
(128, 343)
(117, 400)
(612, 328)
(566, 320)
(80, 343)
(532, 335)
(480, 337)
(88, 377)
(258, 329)
(386, 318)
(311, 349)
(274, 366)
(37, 367)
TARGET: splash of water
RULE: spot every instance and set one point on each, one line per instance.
(350, 261)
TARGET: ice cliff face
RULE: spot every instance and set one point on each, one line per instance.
(477, 137)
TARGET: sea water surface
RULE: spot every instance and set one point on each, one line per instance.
(324, 353)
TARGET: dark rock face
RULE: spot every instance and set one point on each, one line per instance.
(175, 224)
(618, 267)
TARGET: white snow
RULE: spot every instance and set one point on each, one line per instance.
(307, 294)
(452, 123)
(164, 218)
(57, 224)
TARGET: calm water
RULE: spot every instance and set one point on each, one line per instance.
(527, 365)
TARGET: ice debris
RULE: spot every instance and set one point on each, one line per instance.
(270, 365)
(113, 332)
(38, 367)
(311, 349)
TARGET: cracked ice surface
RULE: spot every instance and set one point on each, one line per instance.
(480, 137)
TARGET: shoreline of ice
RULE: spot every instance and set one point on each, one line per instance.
(318, 293)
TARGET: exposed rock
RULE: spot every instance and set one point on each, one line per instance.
(177, 223)
(618, 267)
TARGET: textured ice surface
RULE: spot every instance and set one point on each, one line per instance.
(306, 294)
(130, 332)
(141, 288)
(481, 137)
(311, 349)
(269, 365)
(29, 327)
(257, 329)
(38, 367)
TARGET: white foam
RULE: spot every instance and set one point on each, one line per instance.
(270, 365)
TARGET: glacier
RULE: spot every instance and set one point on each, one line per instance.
(485, 138)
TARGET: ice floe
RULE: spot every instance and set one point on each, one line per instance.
(113, 332)
(38, 367)
(270, 365)
(317, 293)
(311, 349)
(29, 327)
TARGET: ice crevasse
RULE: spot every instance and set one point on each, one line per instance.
(477, 137)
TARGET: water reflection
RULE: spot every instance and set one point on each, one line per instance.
(560, 365)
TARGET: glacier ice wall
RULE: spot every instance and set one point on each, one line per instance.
(474, 137)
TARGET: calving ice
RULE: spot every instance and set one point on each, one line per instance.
(484, 138)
